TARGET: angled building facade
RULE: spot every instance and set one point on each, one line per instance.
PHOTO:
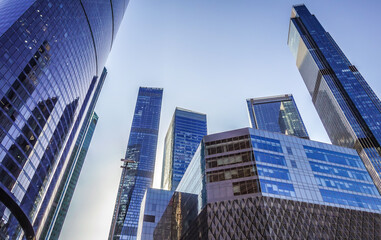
(254, 184)
(185, 132)
(348, 107)
(276, 114)
(139, 164)
(51, 58)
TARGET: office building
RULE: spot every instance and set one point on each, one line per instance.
(51, 57)
(255, 184)
(348, 107)
(80, 151)
(62, 199)
(139, 164)
(185, 132)
(276, 114)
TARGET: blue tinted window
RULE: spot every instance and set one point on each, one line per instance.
(346, 185)
(350, 199)
(273, 172)
(269, 158)
(289, 151)
(293, 164)
(340, 171)
(266, 143)
(333, 157)
(279, 188)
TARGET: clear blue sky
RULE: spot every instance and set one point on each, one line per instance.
(209, 56)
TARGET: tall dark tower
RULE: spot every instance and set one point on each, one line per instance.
(52, 55)
(139, 164)
(348, 107)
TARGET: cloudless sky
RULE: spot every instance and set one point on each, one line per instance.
(209, 56)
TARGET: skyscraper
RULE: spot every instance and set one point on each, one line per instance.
(185, 132)
(51, 57)
(348, 107)
(276, 114)
(58, 211)
(81, 148)
(63, 200)
(139, 164)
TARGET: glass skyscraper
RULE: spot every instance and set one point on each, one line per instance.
(348, 107)
(276, 114)
(139, 164)
(185, 132)
(79, 154)
(57, 213)
(51, 57)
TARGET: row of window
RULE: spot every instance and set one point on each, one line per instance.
(350, 199)
(340, 171)
(266, 144)
(269, 158)
(231, 173)
(333, 157)
(346, 185)
(229, 160)
(225, 140)
(229, 147)
(273, 172)
(279, 188)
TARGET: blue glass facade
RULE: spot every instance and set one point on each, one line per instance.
(255, 184)
(154, 204)
(185, 133)
(251, 162)
(51, 56)
(137, 174)
(347, 106)
(313, 172)
(62, 199)
(276, 114)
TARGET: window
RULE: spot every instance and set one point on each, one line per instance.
(273, 172)
(266, 144)
(149, 218)
(293, 164)
(269, 158)
(289, 151)
(245, 187)
(278, 188)
(231, 173)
